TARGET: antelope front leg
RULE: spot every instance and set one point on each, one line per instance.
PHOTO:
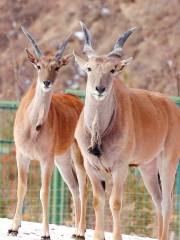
(82, 180)
(46, 173)
(23, 167)
(83, 188)
(118, 178)
(98, 202)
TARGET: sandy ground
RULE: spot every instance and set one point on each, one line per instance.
(32, 231)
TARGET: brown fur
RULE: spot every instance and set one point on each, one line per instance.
(62, 118)
(134, 127)
(144, 132)
(44, 130)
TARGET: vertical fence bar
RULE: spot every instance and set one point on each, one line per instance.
(177, 187)
(62, 204)
(177, 202)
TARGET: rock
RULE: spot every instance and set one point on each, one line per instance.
(79, 35)
(105, 12)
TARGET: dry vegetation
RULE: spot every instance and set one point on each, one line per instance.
(155, 46)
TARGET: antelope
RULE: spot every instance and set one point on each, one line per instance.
(121, 127)
(44, 130)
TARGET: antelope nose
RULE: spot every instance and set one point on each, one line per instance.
(47, 83)
(100, 89)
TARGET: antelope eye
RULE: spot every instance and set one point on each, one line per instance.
(112, 71)
(38, 67)
(89, 69)
(56, 69)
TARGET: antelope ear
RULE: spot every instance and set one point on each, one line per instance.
(66, 59)
(123, 63)
(32, 58)
(81, 62)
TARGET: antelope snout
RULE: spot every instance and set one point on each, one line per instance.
(100, 89)
(47, 83)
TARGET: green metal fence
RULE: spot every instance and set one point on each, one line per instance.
(138, 216)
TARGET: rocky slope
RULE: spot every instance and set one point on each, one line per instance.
(155, 45)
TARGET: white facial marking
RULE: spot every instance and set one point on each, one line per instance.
(47, 89)
(99, 96)
(44, 88)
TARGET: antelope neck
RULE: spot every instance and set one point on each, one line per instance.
(101, 111)
(39, 107)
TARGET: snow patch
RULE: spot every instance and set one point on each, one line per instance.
(32, 231)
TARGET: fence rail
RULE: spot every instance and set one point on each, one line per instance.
(137, 215)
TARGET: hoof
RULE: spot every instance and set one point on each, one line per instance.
(45, 238)
(74, 236)
(12, 232)
(96, 151)
(80, 237)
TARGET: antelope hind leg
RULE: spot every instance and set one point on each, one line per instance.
(149, 173)
(65, 167)
(168, 169)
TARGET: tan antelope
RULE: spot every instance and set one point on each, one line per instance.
(120, 127)
(44, 130)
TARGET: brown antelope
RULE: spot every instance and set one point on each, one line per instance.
(120, 127)
(44, 130)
